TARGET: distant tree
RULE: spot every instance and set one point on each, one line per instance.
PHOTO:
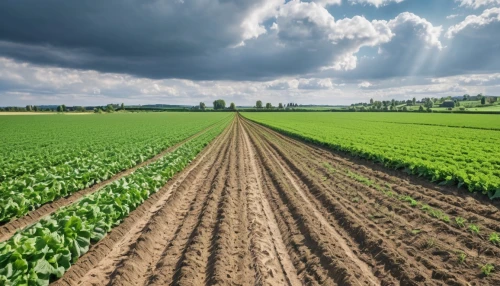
(29, 108)
(457, 103)
(466, 97)
(97, 110)
(110, 108)
(60, 108)
(35, 108)
(280, 105)
(429, 103)
(414, 101)
(64, 109)
(491, 100)
(80, 109)
(122, 107)
(232, 106)
(405, 108)
(219, 104)
(371, 101)
(258, 104)
(421, 108)
(269, 105)
(202, 106)
(483, 100)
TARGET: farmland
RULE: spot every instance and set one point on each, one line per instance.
(52, 157)
(215, 198)
(447, 149)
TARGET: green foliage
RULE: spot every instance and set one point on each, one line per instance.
(258, 104)
(232, 106)
(219, 104)
(461, 257)
(81, 151)
(42, 252)
(494, 238)
(109, 108)
(487, 269)
(460, 221)
(474, 228)
(434, 146)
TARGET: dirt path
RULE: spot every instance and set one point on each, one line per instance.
(259, 208)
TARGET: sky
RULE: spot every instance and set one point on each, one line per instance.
(333, 52)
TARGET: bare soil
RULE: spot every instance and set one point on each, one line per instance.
(260, 208)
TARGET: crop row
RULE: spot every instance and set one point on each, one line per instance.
(445, 155)
(44, 251)
(91, 165)
(29, 145)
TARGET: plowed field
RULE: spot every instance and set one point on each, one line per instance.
(259, 208)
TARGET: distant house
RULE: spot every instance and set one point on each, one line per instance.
(448, 103)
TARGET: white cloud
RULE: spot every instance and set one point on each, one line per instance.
(252, 24)
(423, 29)
(487, 17)
(315, 83)
(376, 3)
(312, 28)
(327, 2)
(453, 16)
(478, 3)
(364, 84)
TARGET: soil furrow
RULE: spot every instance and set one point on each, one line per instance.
(435, 257)
(185, 259)
(107, 257)
(310, 215)
(260, 208)
(274, 265)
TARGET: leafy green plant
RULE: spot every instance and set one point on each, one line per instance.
(329, 167)
(45, 168)
(460, 221)
(42, 252)
(425, 208)
(487, 269)
(474, 228)
(410, 200)
(445, 218)
(461, 257)
(384, 138)
(494, 238)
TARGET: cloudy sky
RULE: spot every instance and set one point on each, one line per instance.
(187, 51)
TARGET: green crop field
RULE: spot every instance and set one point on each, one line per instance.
(434, 146)
(45, 250)
(47, 157)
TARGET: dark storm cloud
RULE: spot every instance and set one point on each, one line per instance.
(196, 39)
(155, 39)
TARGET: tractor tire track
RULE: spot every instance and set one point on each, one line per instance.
(259, 208)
